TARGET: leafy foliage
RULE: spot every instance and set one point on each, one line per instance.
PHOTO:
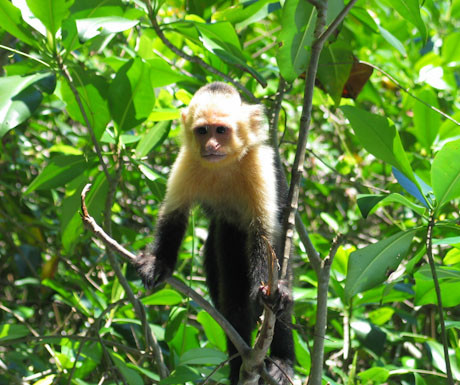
(91, 90)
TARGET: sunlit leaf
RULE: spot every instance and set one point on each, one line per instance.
(445, 174)
(410, 10)
(10, 331)
(131, 96)
(60, 170)
(379, 136)
(163, 297)
(20, 96)
(369, 266)
(152, 138)
(50, 13)
(296, 37)
(366, 202)
(12, 22)
(93, 93)
(89, 28)
(212, 329)
(426, 121)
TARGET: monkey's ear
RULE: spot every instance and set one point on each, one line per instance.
(184, 113)
(257, 122)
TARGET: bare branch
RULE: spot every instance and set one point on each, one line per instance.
(321, 315)
(445, 343)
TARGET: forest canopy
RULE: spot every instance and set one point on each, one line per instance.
(362, 108)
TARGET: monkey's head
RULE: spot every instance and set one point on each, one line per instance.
(219, 128)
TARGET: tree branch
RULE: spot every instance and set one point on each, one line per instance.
(151, 340)
(321, 315)
(445, 344)
(195, 59)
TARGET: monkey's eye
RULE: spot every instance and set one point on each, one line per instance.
(221, 129)
(202, 130)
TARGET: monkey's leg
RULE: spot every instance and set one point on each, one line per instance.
(234, 302)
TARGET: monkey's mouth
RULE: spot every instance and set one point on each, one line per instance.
(214, 157)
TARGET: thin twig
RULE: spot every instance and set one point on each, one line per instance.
(5, 47)
(445, 344)
(407, 91)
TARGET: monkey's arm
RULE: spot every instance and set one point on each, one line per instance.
(279, 301)
(157, 262)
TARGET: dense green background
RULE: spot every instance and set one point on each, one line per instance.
(86, 74)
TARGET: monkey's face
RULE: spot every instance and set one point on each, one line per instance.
(212, 131)
(213, 141)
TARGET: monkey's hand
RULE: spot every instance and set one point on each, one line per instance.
(152, 270)
(278, 301)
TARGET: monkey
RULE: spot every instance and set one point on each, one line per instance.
(225, 166)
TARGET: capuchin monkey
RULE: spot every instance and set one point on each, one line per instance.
(225, 166)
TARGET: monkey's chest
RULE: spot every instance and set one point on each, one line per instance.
(228, 195)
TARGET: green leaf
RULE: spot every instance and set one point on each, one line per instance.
(11, 332)
(450, 51)
(130, 375)
(89, 28)
(380, 138)
(50, 13)
(182, 375)
(369, 266)
(449, 129)
(163, 297)
(212, 329)
(410, 10)
(19, 98)
(426, 121)
(163, 74)
(203, 356)
(366, 202)
(393, 41)
(296, 37)
(449, 281)
(152, 138)
(12, 22)
(222, 40)
(176, 318)
(437, 353)
(246, 13)
(131, 96)
(374, 375)
(334, 69)
(93, 93)
(364, 17)
(68, 296)
(445, 174)
(60, 170)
